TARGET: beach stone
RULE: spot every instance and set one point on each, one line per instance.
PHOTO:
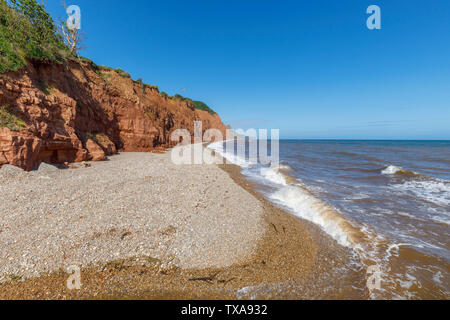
(9, 171)
(134, 205)
(47, 167)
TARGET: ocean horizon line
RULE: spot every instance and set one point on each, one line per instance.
(367, 140)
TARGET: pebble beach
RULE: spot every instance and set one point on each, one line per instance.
(141, 227)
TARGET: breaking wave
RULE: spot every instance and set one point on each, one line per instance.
(422, 186)
(435, 191)
(394, 170)
(296, 198)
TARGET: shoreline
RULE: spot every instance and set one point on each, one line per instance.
(294, 259)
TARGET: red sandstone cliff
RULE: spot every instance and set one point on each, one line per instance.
(74, 112)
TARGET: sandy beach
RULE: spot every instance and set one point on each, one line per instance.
(141, 227)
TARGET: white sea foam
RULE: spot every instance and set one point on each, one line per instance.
(393, 250)
(437, 277)
(407, 215)
(436, 191)
(441, 220)
(245, 293)
(391, 170)
(285, 167)
(309, 208)
(273, 175)
(229, 156)
(409, 282)
(299, 201)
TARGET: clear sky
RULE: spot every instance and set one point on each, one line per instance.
(309, 68)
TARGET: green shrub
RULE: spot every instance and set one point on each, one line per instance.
(145, 85)
(203, 106)
(197, 104)
(180, 97)
(27, 32)
(84, 59)
(9, 120)
(122, 73)
(104, 68)
(164, 95)
(105, 77)
(99, 71)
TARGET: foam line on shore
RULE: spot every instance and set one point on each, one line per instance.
(295, 198)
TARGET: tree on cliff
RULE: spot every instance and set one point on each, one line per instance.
(71, 36)
(27, 31)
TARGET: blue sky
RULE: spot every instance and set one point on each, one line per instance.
(309, 68)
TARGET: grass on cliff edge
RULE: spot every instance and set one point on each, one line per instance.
(203, 106)
(9, 120)
(197, 104)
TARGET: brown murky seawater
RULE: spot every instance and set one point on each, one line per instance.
(386, 201)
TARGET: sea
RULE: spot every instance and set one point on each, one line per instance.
(388, 201)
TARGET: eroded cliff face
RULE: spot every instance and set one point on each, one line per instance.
(75, 112)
